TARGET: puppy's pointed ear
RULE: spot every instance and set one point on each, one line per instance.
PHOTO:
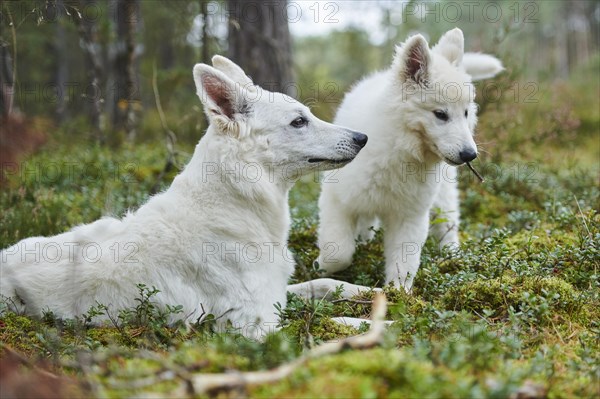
(413, 60)
(451, 46)
(232, 70)
(224, 101)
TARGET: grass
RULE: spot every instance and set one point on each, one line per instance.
(518, 307)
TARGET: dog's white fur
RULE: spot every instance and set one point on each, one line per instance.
(215, 241)
(404, 172)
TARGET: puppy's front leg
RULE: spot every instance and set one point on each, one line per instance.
(337, 230)
(403, 242)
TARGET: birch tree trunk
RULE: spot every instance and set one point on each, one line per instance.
(88, 36)
(127, 104)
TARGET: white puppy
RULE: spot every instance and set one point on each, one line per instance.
(420, 118)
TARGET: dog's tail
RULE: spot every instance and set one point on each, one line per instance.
(481, 66)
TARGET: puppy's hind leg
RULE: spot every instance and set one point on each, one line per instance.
(446, 208)
(336, 235)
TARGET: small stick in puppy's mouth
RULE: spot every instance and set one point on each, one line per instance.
(476, 173)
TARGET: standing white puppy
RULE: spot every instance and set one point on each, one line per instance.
(420, 117)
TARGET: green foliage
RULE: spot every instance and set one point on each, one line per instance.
(69, 184)
(307, 321)
(536, 300)
(146, 313)
(519, 302)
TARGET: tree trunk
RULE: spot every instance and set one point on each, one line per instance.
(561, 53)
(127, 105)
(6, 80)
(88, 35)
(259, 41)
(7, 65)
(593, 9)
(62, 66)
(205, 36)
(579, 30)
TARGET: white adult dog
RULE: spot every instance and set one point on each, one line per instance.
(215, 241)
(420, 118)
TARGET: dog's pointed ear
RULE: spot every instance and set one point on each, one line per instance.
(413, 60)
(451, 46)
(232, 70)
(224, 101)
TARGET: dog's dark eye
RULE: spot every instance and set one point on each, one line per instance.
(299, 122)
(466, 113)
(441, 115)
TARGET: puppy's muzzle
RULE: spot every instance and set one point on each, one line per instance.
(359, 139)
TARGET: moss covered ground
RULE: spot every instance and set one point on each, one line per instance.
(518, 307)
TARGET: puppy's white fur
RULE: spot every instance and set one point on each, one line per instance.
(404, 172)
(215, 241)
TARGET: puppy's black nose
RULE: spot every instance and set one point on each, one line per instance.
(359, 139)
(467, 155)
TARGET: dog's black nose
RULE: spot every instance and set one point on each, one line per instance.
(467, 155)
(360, 139)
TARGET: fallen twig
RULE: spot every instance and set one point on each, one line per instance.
(197, 384)
(357, 301)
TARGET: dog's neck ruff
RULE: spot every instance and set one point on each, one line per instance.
(250, 183)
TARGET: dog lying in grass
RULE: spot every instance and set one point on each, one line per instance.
(215, 242)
